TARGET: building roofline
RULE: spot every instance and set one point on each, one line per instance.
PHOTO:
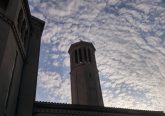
(38, 21)
(51, 105)
(30, 16)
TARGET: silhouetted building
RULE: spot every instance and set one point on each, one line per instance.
(20, 35)
(55, 109)
(85, 82)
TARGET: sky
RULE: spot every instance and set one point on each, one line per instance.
(129, 37)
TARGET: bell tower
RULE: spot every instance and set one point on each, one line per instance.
(85, 84)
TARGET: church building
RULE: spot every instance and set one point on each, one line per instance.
(20, 37)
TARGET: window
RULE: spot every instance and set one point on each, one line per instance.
(89, 55)
(4, 4)
(76, 57)
(23, 29)
(26, 38)
(85, 55)
(20, 19)
(80, 55)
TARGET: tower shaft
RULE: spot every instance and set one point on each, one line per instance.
(85, 84)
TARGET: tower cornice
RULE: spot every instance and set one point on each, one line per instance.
(79, 44)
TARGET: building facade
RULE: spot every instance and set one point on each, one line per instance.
(20, 36)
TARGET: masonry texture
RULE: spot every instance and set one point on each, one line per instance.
(20, 37)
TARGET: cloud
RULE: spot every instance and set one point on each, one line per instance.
(51, 86)
(130, 49)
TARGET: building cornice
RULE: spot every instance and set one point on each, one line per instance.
(40, 23)
(80, 43)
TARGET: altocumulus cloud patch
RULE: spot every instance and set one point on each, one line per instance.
(129, 37)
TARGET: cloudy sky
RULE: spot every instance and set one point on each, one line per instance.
(129, 37)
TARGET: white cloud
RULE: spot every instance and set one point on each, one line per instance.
(52, 86)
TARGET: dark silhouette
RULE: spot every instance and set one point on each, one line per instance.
(85, 84)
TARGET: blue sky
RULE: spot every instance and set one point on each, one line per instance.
(129, 37)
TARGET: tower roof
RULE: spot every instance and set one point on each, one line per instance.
(80, 44)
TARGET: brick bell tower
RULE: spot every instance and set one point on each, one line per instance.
(85, 84)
